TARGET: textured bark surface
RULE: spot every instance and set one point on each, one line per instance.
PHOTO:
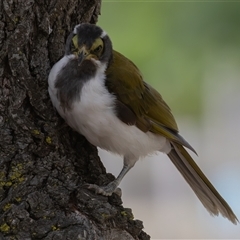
(43, 163)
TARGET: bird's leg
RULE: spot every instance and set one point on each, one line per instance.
(112, 186)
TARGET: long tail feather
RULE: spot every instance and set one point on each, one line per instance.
(199, 183)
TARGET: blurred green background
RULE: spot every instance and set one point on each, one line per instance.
(173, 42)
(190, 52)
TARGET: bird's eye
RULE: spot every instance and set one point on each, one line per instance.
(98, 49)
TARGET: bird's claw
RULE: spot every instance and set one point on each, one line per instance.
(107, 190)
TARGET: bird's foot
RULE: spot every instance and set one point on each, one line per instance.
(107, 190)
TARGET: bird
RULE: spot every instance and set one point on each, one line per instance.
(102, 95)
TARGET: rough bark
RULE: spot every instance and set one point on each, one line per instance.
(43, 163)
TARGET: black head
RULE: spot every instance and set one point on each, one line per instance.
(88, 41)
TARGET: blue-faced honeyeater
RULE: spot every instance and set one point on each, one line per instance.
(102, 95)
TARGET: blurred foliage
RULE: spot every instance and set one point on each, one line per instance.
(172, 42)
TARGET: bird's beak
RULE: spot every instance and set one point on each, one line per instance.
(82, 54)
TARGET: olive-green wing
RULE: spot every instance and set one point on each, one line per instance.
(152, 114)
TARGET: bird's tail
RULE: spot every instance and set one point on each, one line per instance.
(199, 183)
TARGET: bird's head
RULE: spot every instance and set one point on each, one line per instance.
(89, 42)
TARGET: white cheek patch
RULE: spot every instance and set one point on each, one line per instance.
(75, 28)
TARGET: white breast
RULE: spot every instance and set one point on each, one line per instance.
(93, 116)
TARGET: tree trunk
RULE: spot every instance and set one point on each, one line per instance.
(43, 163)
